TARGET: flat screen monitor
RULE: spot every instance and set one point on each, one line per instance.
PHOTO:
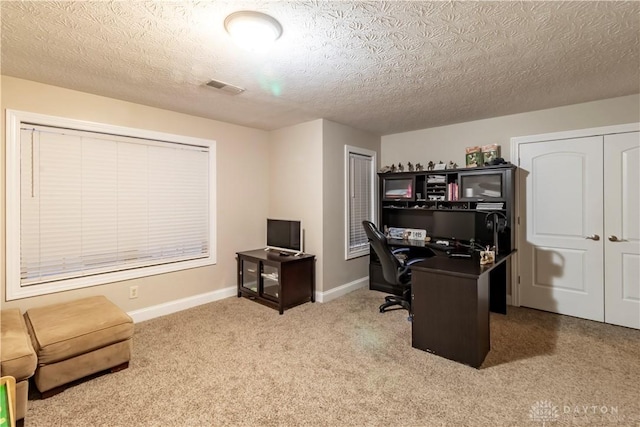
(454, 225)
(284, 235)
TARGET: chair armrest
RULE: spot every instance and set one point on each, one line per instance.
(399, 250)
(406, 271)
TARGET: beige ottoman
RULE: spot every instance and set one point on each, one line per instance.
(78, 338)
(17, 357)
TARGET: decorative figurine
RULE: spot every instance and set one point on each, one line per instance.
(385, 169)
(400, 167)
(488, 256)
(410, 167)
(419, 167)
(393, 167)
(440, 166)
(430, 166)
(451, 165)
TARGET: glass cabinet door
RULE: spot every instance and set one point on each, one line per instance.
(250, 275)
(270, 281)
(481, 186)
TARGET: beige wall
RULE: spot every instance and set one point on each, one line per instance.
(242, 188)
(337, 270)
(295, 183)
(448, 142)
(292, 173)
(307, 182)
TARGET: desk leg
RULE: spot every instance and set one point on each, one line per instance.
(498, 288)
(313, 280)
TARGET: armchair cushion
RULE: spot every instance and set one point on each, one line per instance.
(18, 358)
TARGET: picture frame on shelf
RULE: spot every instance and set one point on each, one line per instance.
(490, 153)
(473, 157)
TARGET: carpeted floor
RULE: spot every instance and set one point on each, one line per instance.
(236, 362)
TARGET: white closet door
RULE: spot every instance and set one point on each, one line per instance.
(622, 229)
(561, 259)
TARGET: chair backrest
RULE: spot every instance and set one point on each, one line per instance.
(391, 267)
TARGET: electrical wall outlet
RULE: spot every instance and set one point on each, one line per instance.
(133, 292)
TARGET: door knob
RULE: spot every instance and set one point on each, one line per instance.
(613, 238)
(593, 237)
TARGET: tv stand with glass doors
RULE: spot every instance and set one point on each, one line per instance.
(275, 280)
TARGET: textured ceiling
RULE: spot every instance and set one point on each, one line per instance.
(381, 66)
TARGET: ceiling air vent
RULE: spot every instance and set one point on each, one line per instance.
(225, 87)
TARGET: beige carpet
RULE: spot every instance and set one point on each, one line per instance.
(235, 362)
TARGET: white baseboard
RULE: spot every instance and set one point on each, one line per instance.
(342, 290)
(152, 312)
(148, 313)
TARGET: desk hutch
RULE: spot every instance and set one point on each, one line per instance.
(444, 203)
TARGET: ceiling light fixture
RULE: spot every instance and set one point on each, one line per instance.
(253, 31)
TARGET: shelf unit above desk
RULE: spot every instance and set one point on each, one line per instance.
(406, 196)
(485, 188)
(422, 199)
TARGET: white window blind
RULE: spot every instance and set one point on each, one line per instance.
(360, 203)
(93, 204)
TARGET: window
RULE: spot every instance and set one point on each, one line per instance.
(360, 193)
(91, 204)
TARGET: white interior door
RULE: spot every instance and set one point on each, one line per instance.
(622, 229)
(561, 257)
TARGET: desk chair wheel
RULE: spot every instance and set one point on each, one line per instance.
(392, 301)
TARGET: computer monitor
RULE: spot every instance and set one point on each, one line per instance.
(284, 235)
(454, 225)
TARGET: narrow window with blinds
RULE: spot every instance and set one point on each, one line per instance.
(359, 198)
(97, 207)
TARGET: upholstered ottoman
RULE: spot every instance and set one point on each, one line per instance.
(78, 338)
(17, 357)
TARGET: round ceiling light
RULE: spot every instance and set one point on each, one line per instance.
(254, 31)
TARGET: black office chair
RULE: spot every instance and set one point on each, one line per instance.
(394, 271)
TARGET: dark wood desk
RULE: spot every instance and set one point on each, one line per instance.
(451, 299)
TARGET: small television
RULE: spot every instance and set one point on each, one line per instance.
(284, 236)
